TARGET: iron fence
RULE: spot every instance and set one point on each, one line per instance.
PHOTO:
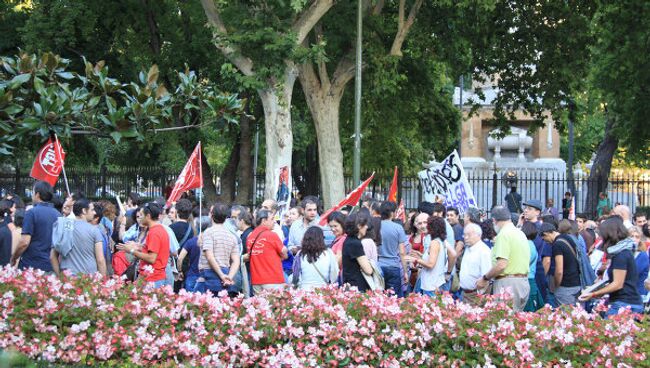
(489, 188)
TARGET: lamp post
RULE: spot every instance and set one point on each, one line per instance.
(572, 108)
(356, 169)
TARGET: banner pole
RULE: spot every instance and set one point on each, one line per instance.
(200, 189)
(65, 177)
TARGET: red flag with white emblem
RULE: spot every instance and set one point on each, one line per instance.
(401, 212)
(49, 162)
(191, 177)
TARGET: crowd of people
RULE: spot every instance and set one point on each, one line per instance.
(530, 259)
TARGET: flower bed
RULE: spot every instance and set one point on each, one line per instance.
(86, 320)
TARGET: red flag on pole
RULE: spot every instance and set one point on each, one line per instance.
(191, 177)
(392, 194)
(49, 162)
(351, 200)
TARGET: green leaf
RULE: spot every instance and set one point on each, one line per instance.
(117, 136)
(13, 109)
(19, 80)
(65, 75)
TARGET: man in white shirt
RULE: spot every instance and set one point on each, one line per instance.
(297, 231)
(477, 261)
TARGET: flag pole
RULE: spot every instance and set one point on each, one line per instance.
(65, 177)
(200, 189)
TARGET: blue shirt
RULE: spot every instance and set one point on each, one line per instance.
(38, 223)
(392, 235)
(642, 266)
(533, 260)
(191, 246)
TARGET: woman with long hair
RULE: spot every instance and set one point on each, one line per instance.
(354, 259)
(535, 299)
(622, 272)
(434, 257)
(318, 264)
(336, 221)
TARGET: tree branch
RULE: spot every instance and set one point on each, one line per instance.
(244, 64)
(404, 25)
(322, 68)
(345, 71)
(378, 7)
(308, 18)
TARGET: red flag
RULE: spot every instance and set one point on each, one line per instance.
(392, 194)
(191, 177)
(352, 199)
(401, 213)
(49, 162)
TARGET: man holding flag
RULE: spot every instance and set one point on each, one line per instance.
(35, 244)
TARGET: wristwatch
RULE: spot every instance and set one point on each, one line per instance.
(132, 251)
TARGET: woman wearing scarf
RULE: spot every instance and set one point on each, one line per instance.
(622, 272)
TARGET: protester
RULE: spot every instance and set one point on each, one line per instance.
(416, 242)
(369, 242)
(567, 269)
(6, 237)
(36, 242)
(439, 210)
(487, 228)
(510, 257)
(566, 205)
(353, 258)
(294, 214)
(191, 248)
(472, 215)
(588, 236)
(272, 206)
(550, 209)
(318, 264)
(155, 250)
(433, 260)
(220, 259)
(16, 234)
(266, 252)
(392, 250)
(133, 203)
(98, 222)
(640, 219)
(87, 253)
(336, 222)
(624, 212)
(298, 228)
(180, 224)
(513, 200)
(535, 299)
(622, 289)
(604, 205)
(453, 218)
(640, 258)
(477, 261)
(545, 264)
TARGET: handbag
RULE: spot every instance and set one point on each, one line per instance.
(131, 272)
(376, 280)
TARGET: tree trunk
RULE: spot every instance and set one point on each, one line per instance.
(245, 170)
(599, 175)
(277, 124)
(229, 175)
(324, 100)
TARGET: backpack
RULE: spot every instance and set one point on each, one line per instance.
(587, 274)
(63, 236)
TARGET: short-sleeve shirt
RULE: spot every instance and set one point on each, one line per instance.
(38, 223)
(191, 246)
(458, 233)
(511, 244)
(629, 293)
(157, 241)
(222, 243)
(5, 243)
(392, 235)
(82, 258)
(180, 229)
(265, 257)
(353, 249)
(571, 270)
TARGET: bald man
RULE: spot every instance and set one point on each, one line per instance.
(625, 213)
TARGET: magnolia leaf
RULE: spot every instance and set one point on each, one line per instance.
(19, 80)
(13, 109)
(65, 75)
(161, 91)
(152, 76)
(117, 136)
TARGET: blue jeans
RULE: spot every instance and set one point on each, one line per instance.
(428, 293)
(615, 307)
(213, 282)
(190, 282)
(393, 279)
(160, 283)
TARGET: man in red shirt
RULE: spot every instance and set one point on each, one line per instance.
(155, 250)
(266, 253)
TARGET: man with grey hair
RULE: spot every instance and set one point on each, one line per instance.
(477, 261)
(625, 213)
(510, 257)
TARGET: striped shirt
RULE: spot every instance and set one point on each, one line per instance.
(222, 243)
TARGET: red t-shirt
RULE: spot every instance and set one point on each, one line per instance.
(417, 246)
(265, 257)
(157, 241)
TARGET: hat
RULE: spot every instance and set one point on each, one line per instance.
(500, 213)
(547, 228)
(535, 204)
(474, 215)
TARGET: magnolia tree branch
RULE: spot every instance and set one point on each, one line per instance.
(308, 18)
(404, 25)
(244, 64)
